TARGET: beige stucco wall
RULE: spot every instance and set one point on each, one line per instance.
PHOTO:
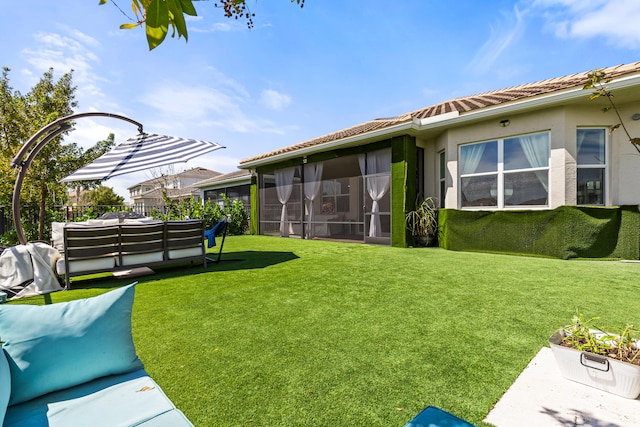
(623, 168)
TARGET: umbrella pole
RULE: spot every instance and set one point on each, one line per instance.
(51, 131)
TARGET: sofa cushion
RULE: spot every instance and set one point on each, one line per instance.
(88, 265)
(103, 222)
(5, 384)
(185, 253)
(61, 345)
(141, 259)
(131, 399)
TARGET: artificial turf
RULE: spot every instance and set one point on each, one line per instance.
(317, 333)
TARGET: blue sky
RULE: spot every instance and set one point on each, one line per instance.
(302, 73)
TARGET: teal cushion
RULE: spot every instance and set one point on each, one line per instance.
(5, 385)
(56, 346)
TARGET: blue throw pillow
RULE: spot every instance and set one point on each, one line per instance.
(57, 346)
(5, 385)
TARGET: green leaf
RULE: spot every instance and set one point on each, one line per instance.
(102, 2)
(187, 8)
(157, 23)
(128, 26)
(178, 18)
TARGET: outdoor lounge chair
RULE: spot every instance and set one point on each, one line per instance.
(436, 417)
(219, 229)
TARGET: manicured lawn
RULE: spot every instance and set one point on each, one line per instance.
(313, 333)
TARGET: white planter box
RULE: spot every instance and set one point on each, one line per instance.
(613, 376)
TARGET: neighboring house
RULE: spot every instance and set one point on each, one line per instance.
(532, 147)
(147, 195)
(235, 185)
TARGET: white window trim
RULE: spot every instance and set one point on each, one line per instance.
(607, 170)
(500, 172)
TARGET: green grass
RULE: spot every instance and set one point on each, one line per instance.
(314, 333)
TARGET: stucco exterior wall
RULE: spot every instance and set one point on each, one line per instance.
(623, 167)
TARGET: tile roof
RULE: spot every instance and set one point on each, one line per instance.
(237, 174)
(461, 105)
(196, 172)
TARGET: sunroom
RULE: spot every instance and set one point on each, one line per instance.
(344, 197)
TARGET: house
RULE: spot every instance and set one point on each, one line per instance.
(147, 195)
(235, 185)
(534, 147)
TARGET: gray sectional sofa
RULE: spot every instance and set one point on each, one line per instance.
(111, 245)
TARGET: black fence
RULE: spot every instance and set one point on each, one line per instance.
(30, 214)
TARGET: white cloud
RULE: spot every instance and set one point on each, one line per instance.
(614, 20)
(87, 131)
(71, 51)
(503, 34)
(216, 27)
(274, 100)
(222, 104)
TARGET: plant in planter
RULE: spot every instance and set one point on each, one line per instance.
(423, 222)
(604, 360)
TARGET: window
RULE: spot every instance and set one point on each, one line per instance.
(420, 171)
(335, 196)
(509, 172)
(442, 177)
(591, 160)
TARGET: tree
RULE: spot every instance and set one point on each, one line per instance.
(158, 15)
(11, 133)
(103, 196)
(86, 157)
(598, 82)
(47, 101)
(21, 116)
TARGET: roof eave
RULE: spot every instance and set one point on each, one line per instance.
(338, 143)
(447, 120)
(225, 182)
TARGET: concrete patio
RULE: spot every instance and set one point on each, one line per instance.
(542, 397)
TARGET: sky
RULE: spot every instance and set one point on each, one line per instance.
(300, 73)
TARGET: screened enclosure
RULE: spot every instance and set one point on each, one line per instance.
(346, 198)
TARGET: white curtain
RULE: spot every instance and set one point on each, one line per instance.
(470, 156)
(581, 135)
(536, 150)
(284, 185)
(312, 181)
(376, 167)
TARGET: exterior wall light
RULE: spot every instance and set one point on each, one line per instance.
(504, 123)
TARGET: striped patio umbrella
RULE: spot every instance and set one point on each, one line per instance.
(142, 152)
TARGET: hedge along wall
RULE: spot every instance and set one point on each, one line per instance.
(565, 232)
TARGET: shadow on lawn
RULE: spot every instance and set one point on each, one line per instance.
(230, 261)
(247, 260)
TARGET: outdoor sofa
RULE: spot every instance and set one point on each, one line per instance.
(110, 245)
(74, 364)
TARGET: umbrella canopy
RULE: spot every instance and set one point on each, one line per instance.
(142, 152)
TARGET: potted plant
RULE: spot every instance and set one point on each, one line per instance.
(604, 360)
(423, 222)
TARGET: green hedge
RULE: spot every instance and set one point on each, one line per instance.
(565, 232)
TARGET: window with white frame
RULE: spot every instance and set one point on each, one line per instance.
(505, 173)
(592, 163)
